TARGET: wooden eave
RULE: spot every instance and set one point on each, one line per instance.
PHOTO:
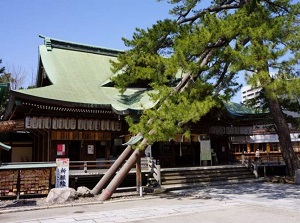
(51, 102)
(12, 125)
(20, 104)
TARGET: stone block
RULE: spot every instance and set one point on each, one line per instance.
(297, 176)
(61, 195)
(84, 192)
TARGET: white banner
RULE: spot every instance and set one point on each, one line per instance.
(205, 150)
(62, 172)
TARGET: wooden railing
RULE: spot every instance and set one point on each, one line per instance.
(154, 168)
(265, 158)
(147, 164)
(89, 165)
(252, 164)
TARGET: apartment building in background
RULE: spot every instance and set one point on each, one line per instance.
(249, 93)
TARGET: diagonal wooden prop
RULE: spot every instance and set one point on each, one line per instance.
(135, 156)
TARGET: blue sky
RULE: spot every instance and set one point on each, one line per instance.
(93, 22)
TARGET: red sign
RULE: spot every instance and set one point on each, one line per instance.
(61, 149)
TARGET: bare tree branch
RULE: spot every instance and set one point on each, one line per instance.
(17, 76)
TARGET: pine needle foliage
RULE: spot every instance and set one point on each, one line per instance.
(214, 44)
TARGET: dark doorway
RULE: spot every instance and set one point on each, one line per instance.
(100, 150)
(5, 156)
(183, 154)
(74, 150)
(196, 149)
(220, 146)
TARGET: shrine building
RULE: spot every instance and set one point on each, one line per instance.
(76, 112)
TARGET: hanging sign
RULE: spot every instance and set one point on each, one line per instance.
(61, 149)
(62, 172)
(33, 122)
(90, 149)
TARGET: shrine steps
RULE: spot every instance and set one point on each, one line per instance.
(180, 178)
(177, 178)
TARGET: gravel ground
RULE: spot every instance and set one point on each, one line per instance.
(35, 203)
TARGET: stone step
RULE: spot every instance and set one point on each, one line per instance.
(205, 171)
(189, 177)
(181, 186)
(201, 174)
(206, 179)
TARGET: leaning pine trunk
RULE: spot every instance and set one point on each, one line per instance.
(290, 157)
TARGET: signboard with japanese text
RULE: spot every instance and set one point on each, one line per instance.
(61, 149)
(90, 149)
(205, 150)
(62, 172)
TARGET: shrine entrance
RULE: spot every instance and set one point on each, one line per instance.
(74, 150)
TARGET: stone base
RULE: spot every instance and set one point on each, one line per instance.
(155, 190)
(297, 176)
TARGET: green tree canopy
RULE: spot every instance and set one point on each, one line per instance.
(2, 69)
(4, 88)
(210, 47)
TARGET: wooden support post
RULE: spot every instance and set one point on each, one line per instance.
(158, 172)
(138, 175)
(111, 172)
(117, 180)
(107, 152)
(19, 184)
(255, 171)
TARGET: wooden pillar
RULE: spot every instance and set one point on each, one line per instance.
(107, 152)
(138, 174)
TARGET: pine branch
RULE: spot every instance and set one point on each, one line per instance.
(204, 61)
(219, 81)
(227, 5)
(277, 6)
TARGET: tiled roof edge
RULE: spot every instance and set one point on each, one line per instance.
(51, 43)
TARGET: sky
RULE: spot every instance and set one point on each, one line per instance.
(93, 22)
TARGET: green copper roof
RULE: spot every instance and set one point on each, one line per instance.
(133, 140)
(240, 110)
(5, 147)
(78, 74)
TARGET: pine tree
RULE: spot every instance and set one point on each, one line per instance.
(4, 89)
(2, 69)
(214, 45)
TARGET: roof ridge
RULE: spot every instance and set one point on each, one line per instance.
(51, 43)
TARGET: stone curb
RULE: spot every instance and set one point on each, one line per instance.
(24, 208)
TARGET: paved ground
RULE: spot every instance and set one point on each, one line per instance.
(251, 202)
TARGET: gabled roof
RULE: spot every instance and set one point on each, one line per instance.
(77, 74)
(242, 111)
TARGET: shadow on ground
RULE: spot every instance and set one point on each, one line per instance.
(265, 190)
(19, 203)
